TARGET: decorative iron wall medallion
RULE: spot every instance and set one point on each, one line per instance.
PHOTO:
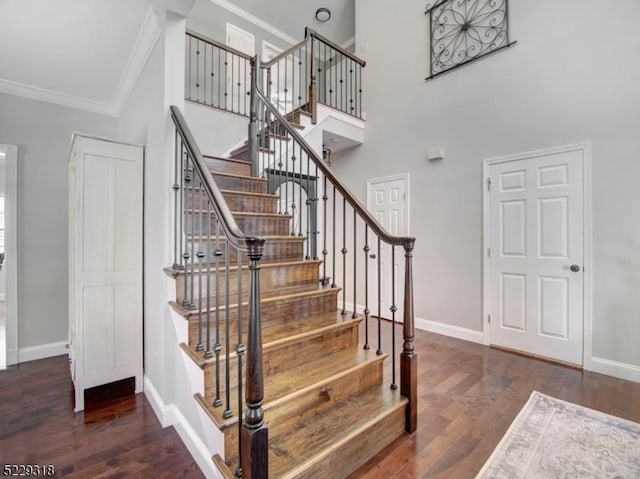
(465, 30)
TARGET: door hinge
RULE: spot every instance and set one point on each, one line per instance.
(489, 252)
(489, 319)
(488, 184)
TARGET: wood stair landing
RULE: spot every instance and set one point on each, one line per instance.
(327, 405)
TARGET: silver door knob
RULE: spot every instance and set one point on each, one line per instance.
(575, 268)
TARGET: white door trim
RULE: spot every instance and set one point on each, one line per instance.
(11, 252)
(585, 148)
(401, 176)
(231, 29)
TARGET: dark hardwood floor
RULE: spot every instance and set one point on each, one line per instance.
(117, 435)
(468, 396)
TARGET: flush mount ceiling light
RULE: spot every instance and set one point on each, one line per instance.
(323, 14)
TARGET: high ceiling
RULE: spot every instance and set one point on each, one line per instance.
(76, 48)
(291, 16)
(80, 52)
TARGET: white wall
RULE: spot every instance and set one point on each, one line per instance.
(570, 78)
(215, 131)
(42, 132)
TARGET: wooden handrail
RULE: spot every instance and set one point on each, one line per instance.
(326, 41)
(218, 44)
(280, 56)
(367, 217)
(227, 222)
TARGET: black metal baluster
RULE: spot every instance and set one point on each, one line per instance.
(227, 334)
(286, 188)
(212, 75)
(351, 107)
(186, 179)
(360, 94)
(193, 242)
(333, 251)
(286, 84)
(190, 70)
(208, 352)
(198, 70)
(331, 84)
(226, 76)
(315, 209)
(325, 198)
(308, 204)
(344, 252)
(300, 189)
(379, 350)
(240, 351)
(393, 310)
(233, 71)
(218, 346)
(176, 202)
(200, 255)
(204, 74)
(244, 110)
(366, 250)
(355, 260)
(219, 102)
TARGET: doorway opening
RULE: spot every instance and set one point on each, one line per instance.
(8, 255)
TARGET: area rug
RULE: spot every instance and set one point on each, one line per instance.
(551, 438)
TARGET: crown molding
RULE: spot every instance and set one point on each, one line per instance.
(144, 45)
(58, 98)
(258, 22)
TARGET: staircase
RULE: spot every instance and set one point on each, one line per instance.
(326, 406)
(300, 385)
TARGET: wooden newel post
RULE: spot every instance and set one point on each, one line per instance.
(254, 435)
(253, 119)
(408, 358)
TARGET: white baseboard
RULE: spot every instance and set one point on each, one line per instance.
(616, 369)
(450, 330)
(170, 415)
(157, 404)
(194, 444)
(12, 357)
(41, 351)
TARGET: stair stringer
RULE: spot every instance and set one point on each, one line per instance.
(184, 413)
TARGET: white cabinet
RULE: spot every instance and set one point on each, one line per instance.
(105, 263)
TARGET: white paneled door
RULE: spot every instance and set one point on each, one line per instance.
(536, 255)
(387, 200)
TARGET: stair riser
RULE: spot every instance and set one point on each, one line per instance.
(347, 458)
(252, 185)
(287, 356)
(274, 250)
(281, 310)
(286, 416)
(220, 165)
(203, 224)
(289, 278)
(235, 201)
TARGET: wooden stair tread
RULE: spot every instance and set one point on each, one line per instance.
(283, 387)
(231, 160)
(275, 335)
(175, 273)
(243, 214)
(249, 193)
(295, 450)
(242, 177)
(319, 291)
